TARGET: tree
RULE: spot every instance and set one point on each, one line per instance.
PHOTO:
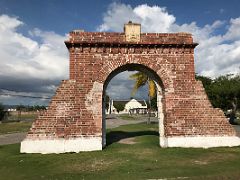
(225, 91)
(20, 108)
(154, 102)
(119, 106)
(2, 112)
(140, 80)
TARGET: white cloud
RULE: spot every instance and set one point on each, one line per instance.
(28, 65)
(119, 14)
(150, 18)
(217, 54)
(120, 87)
(116, 16)
(24, 57)
(233, 30)
(7, 23)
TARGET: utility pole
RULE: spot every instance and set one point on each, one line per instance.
(149, 101)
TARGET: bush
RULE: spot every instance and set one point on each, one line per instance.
(119, 107)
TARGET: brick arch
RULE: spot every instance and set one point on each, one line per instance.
(73, 121)
(108, 75)
(121, 67)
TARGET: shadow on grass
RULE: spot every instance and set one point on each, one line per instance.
(115, 136)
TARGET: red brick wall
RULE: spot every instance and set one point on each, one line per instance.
(76, 109)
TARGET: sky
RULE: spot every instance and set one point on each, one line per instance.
(34, 59)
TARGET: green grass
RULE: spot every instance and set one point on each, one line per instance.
(22, 117)
(143, 160)
(14, 127)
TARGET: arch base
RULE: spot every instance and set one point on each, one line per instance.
(48, 146)
(200, 141)
(95, 144)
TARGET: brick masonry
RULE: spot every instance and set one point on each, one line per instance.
(95, 57)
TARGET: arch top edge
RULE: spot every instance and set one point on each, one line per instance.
(80, 38)
(70, 44)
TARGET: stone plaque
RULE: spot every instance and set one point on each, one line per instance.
(132, 32)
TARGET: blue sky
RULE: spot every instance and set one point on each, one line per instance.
(33, 58)
(64, 15)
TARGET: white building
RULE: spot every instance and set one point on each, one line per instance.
(130, 106)
(11, 110)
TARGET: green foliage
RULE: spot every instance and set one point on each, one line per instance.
(140, 80)
(30, 108)
(119, 106)
(107, 102)
(154, 102)
(223, 91)
(1, 107)
(207, 81)
(2, 112)
(20, 107)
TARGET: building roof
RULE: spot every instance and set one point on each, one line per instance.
(124, 102)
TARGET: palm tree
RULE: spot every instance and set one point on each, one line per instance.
(140, 80)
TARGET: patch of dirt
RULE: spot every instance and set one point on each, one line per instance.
(127, 141)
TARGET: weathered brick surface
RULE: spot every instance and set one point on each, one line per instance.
(76, 109)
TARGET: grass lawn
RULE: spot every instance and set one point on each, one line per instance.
(14, 127)
(24, 117)
(142, 160)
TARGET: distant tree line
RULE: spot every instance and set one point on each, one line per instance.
(30, 108)
(20, 108)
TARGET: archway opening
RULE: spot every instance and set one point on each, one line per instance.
(131, 112)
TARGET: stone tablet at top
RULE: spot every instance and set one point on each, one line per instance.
(132, 31)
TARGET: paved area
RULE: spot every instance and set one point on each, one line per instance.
(12, 138)
(237, 128)
(114, 121)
